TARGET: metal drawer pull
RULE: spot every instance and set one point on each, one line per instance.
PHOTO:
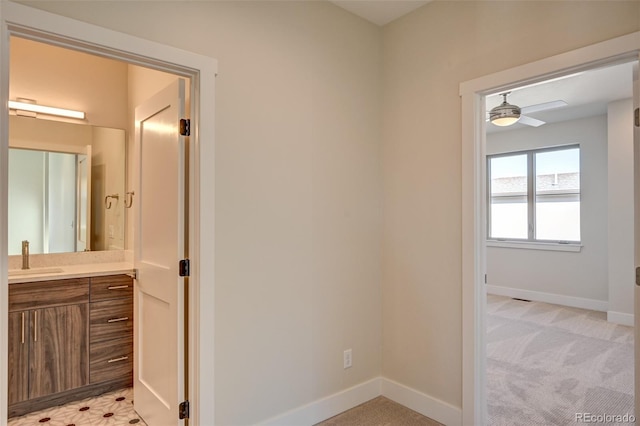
(122, 358)
(117, 287)
(23, 327)
(35, 326)
(118, 319)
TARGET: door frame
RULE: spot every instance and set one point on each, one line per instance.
(26, 22)
(473, 92)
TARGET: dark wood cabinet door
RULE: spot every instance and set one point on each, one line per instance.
(59, 358)
(18, 357)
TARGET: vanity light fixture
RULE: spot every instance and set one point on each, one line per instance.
(41, 109)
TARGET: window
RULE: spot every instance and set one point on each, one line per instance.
(535, 195)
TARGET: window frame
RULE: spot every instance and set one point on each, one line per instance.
(531, 194)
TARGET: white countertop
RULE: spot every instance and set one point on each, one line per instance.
(70, 271)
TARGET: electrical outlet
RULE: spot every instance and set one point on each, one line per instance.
(347, 359)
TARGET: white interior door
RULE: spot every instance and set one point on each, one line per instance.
(159, 374)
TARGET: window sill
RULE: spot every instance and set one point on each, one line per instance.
(574, 247)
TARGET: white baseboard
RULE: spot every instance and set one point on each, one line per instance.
(329, 406)
(620, 318)
(422, 403)
(558, 299)
(337, 403)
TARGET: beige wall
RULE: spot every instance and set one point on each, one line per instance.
(27, 132)
(68, 79)
(108, 156)
(298, 206)
(427, 54)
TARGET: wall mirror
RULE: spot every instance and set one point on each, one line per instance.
(66, 186)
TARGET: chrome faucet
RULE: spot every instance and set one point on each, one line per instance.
(25, 254)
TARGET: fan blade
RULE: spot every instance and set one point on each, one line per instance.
(529, 121)
(543, 107)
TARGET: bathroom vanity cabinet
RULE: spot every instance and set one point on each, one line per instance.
(68, 339)
(48, 340)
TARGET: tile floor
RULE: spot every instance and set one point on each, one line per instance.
(110, 409)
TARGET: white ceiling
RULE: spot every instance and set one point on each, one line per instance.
(587, 95)
(380, 12)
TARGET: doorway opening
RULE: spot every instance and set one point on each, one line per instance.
(559, 253)
(474, 203)
(108, 91)
(27, 23)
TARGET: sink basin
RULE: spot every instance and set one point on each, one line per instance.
(34, 271)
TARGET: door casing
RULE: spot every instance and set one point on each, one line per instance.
(472, 92)
(26, 22)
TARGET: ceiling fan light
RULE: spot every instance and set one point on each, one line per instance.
(504, 114)
(505, 121)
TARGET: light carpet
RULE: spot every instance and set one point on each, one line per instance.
(545, 363)
(379, 411)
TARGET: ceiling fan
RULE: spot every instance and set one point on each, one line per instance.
(507, 114)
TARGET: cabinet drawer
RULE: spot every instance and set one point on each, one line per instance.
(111, 359)
(111, 319)
(48, 293)
(111, 287)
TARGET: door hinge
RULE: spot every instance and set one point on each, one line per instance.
(185, 127)
(184, 268)
(183, 410)
(638, 276)
(636, 115)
